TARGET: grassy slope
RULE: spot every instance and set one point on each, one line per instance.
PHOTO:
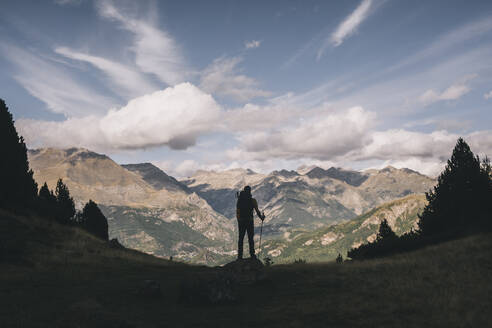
(66, 278)
(308, 246)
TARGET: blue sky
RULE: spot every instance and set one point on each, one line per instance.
(266, 85)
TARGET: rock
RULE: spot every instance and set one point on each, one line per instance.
(114, 243)
(218, 289)
(246, 271)
(150, 288)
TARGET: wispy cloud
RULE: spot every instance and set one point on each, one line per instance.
(223, 77)
(54, 86)
(447, 43)
(68, 2)
(156, 52)
(488, 95)
(347, 27)
(252, 44)
(453, 92)
(124, 80)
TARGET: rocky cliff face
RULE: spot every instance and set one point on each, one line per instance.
(146, 209)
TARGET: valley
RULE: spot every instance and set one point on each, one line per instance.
(193, 219)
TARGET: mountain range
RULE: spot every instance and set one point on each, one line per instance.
(308, 200)
(193, 219)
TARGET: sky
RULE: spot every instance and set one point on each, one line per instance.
(265, 85)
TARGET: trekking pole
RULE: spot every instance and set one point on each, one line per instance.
(261, 232)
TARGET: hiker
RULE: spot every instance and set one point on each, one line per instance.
(244, 214)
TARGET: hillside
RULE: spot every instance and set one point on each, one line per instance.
(146, 209)
(57, 276)
(326, 243)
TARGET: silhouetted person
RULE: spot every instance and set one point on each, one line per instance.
(244, 214)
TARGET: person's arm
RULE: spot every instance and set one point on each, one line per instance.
(237, 212)
(255, 205)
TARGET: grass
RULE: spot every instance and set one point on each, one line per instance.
(63, 277)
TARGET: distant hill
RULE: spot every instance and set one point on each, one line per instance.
(146, 209)
(326, 243)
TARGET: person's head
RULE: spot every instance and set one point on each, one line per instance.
(247, 190)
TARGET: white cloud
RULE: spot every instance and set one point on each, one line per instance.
(348, 137)
(488, 95)
(252, 44)
(127, 82)
(156, 52)
(68, 2)
(174, 117)
(322, 137)
(401, 144)
(453, 92)
(348, 26)
(222, 77)
(54, 86)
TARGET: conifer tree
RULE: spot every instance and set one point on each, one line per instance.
(47, 201)
(460, 203)
(17, 186)
(94, 221)
(65, 206)
(385, 232)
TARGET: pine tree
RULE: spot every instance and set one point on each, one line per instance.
(94, 221)
(47, 205)
(17, 186)
(385, 232)
(65, 206)
(460, 203)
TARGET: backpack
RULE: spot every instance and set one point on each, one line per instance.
(245, 205)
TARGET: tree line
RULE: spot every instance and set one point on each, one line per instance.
(459, 205)
(19, 190)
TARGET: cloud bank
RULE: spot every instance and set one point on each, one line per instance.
(174, 117)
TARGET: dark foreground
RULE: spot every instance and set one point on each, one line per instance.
(53, 276)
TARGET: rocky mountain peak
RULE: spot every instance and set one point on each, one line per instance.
(317, 173)
(285, 173)
(353, 178)
(156, 177)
